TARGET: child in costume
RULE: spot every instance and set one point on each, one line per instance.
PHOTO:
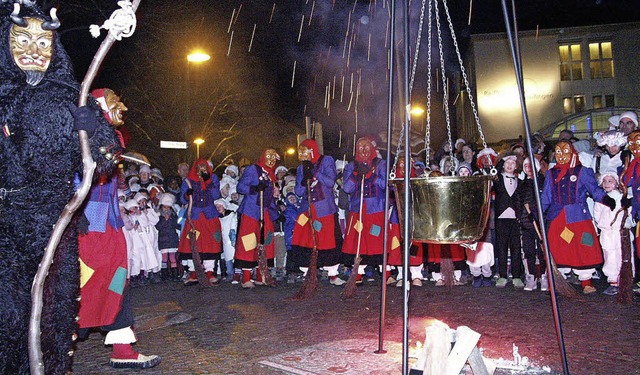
(610, 222)
(168, 236)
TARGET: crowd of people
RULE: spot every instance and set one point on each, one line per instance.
(338, 209)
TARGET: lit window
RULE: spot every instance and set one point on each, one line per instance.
(601, 60)
(567, 104)
(597, 102)
(570, 62)
(578, 103)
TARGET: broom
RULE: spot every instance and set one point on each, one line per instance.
(262, 252)
(350, 286)
(561, 284)
(310, 285)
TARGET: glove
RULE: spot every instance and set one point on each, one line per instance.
(189, 192)
(84, 118)
(262, 185)
(609, 202)
(362, 169)
(83, 225)
(626, 202)
(307, 170)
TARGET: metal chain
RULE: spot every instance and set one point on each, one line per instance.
(427, 133)
(445, 90)
(464, 75)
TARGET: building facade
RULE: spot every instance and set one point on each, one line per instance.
(566, 72)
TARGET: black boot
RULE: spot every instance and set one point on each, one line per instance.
(164, 274)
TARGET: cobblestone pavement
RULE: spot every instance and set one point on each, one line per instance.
(226, 330)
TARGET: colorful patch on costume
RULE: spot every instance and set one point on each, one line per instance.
(375, 230)
(268, 238)
(302, 220)
(249, 242)
(118, 280)
(197, 232)
(217, 236)
(358, 226)
(567, 235)
(317, 225)
(587, 239)
(85, 273)
(395, 243)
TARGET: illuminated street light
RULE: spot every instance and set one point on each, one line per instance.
(198, 57)
(198, 142)
(416, 110)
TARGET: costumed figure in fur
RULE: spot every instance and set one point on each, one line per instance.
(40, 154)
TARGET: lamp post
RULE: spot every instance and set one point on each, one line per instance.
(195, 57)
(198, 142)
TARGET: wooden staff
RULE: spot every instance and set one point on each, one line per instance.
(36, 362)
(310, 285)
(625, 281)
(561, 283)
(265, 275)
(350, 287)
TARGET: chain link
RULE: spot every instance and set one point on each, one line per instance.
(427, 133)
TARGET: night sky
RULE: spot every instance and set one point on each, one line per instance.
(324, 59)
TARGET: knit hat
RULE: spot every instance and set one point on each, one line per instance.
(145, 169)
(536, 162)
(131, 203)
(135, 187)
(611, 138)
(483, 155)
(281, 168)
(155, 172)
(222, 202)
(139, 196)
(610, 173)
(614, 121)
(464, 165)
(231, 168)
(631, 116)
(167, 199)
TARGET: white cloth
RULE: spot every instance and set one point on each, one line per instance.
(483, 254)
(120, 336)
(228, 223)
(142, 243)
(610, 238)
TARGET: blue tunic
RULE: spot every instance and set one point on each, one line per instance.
(324, 177)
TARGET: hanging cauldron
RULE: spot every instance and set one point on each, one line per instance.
(447, 209)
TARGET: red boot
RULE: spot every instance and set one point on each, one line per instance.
(246, 279)
(124, 356)
(192, 279)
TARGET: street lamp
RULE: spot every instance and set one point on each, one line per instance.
(290, 151)
(198, 142)
(195, 57)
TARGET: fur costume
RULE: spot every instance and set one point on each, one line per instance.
(40, 153)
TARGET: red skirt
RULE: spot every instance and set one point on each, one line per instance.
(416, 255)
(435, 252)
(372, 237)
(208, 236)
(324, 228)
(103, 276)
(249, 237)
(574, 245)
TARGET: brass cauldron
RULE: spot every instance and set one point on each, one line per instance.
(447, 209)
